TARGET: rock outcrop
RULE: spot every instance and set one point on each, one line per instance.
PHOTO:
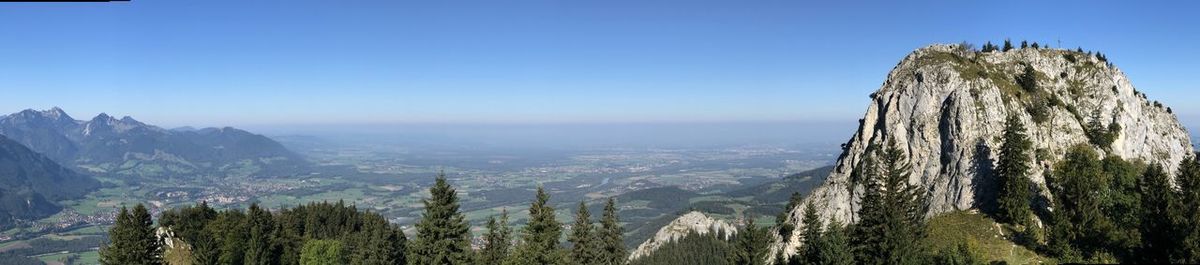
(945, 106)
(696, 222)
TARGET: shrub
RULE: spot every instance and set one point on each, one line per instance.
(1069, 57)
(1007, 45)
(1028, 79)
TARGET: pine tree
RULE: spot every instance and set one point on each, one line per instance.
(1189, 198)
(133, 241)
(834, 245)
(810, 252)
(260, 249)
(1012, 172)
(749, 245)
(377, 242)
(891, 224)
(611, 236)
(443, 235)
(1024, 44)
(1007, 46)
(540, 237)
(498, 240)
(584, 250)
(1158, 203)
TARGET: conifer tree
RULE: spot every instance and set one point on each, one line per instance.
(891, 224)
(260, 249)
(1189, 198)
(499, 239)
(1158, 203)
(1012, 172)
(1007, 46)
(584, 249)
(540, 237)
(834, 245)
(810, 252)
(1080, 226)
(133, 241)
(1024, 44)
(443, 235)
(611, 236)
(749, 246)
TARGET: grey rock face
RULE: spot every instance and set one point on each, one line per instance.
(691, 222)
(945, 106)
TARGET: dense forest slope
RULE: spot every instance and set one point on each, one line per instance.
(945, 107)
(126, 146)
(30, 183)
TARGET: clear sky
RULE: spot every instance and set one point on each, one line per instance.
(210, 63)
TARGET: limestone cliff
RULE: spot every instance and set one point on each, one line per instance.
(945, 106)
(691, 222)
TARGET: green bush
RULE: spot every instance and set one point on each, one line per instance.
(322, 252)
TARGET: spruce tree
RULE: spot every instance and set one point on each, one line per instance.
(611, 236)
(749, 245)
(1007, 45)
(1012, 172)
(891, 224)
(1189, 198)
(834, 246)
(810, 252)
(1158, 203)
(498, 240)
(584, 250)
(540, 237)
(443, 235)
(260, 249)
(1080, 228)
(132, 240)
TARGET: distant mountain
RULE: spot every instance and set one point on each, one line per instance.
(126, 146)
(30, 182)
(780, 191)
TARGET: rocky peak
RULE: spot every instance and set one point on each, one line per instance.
(945, 106)
(694, 221)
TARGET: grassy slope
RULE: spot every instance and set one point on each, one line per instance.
(985, 236)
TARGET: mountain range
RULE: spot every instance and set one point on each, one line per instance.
(31, 182)
(126, 147)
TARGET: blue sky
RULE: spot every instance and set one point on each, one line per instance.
(254, 63)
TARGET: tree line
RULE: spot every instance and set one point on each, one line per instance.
(336, 233)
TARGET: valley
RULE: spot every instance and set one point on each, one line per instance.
(653, 185)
